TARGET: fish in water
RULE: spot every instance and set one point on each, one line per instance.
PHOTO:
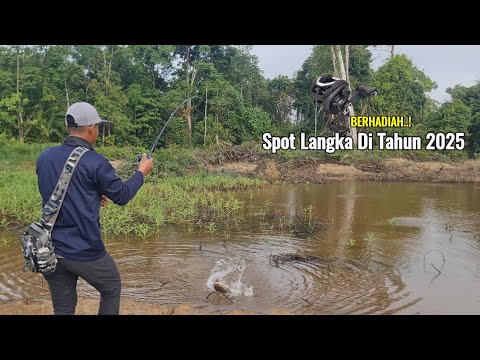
(221, 287)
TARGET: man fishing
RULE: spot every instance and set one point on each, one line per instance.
(76, 234)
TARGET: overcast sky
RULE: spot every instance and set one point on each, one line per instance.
(447, 65)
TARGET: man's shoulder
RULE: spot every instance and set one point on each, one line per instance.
(94, 157)
(47, 151)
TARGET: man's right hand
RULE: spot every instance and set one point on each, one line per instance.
(145, 165)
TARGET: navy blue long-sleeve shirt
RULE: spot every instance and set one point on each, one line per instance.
(76, 234)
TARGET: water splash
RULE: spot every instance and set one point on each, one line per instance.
(230, 272)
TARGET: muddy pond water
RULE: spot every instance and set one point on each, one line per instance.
(343, 248)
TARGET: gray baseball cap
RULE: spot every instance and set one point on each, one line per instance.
(83, 114)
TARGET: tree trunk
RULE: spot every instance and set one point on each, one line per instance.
(19, 111)
(343, 72)
(107, 76)
(392, 51)
(66, 93)
(341, 64)
(353, 130)
(216, 135)
(189, 102)
(206, 104)
(18, 69)
(189, 117)
(153, 76)
(334, 60)
(347, 61)
(104, 66)
(107, 83)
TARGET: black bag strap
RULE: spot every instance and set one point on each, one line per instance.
(52, 208)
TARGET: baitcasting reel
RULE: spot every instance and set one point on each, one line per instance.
(332, 92)
(334, 95)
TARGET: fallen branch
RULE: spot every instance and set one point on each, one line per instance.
(220, 294)
(439, 272)
(308, 302)
(285, 164)
(443, 263)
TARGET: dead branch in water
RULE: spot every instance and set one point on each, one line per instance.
(308, 302)
(439, 272)
(213, 292)
(287, 257)
(299, 255)
(443, 263)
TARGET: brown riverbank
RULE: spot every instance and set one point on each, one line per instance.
(393, 169)
(127, 307)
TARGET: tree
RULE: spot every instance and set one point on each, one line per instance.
(453, 117)
(282, 95)
(474, 139)
(403, 88)
(240, 68)
(338, 63)
(259, 122)
(323, 61)
(189, 54)
(469, 95)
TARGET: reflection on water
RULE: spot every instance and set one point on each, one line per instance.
(369, 260)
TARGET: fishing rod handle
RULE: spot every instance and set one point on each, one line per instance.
(140, 155)
(367, 90)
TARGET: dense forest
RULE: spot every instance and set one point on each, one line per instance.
(137, 87)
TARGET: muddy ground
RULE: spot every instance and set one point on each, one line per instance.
(127, 307)
(394, 169)
(311, 170)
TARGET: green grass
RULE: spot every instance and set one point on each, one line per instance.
(15, 155)
(196, 200)
(351, 242)
(370, 238)
(20, 200)
(187, 201)
(392, 221)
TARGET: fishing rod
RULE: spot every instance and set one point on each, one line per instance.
(152, 149)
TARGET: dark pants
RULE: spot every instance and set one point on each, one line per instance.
(102, 274)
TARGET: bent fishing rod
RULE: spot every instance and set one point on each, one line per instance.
(152, 149)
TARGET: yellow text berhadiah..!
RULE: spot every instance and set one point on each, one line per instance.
(380, 121)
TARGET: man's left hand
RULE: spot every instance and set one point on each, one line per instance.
(105, 200)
